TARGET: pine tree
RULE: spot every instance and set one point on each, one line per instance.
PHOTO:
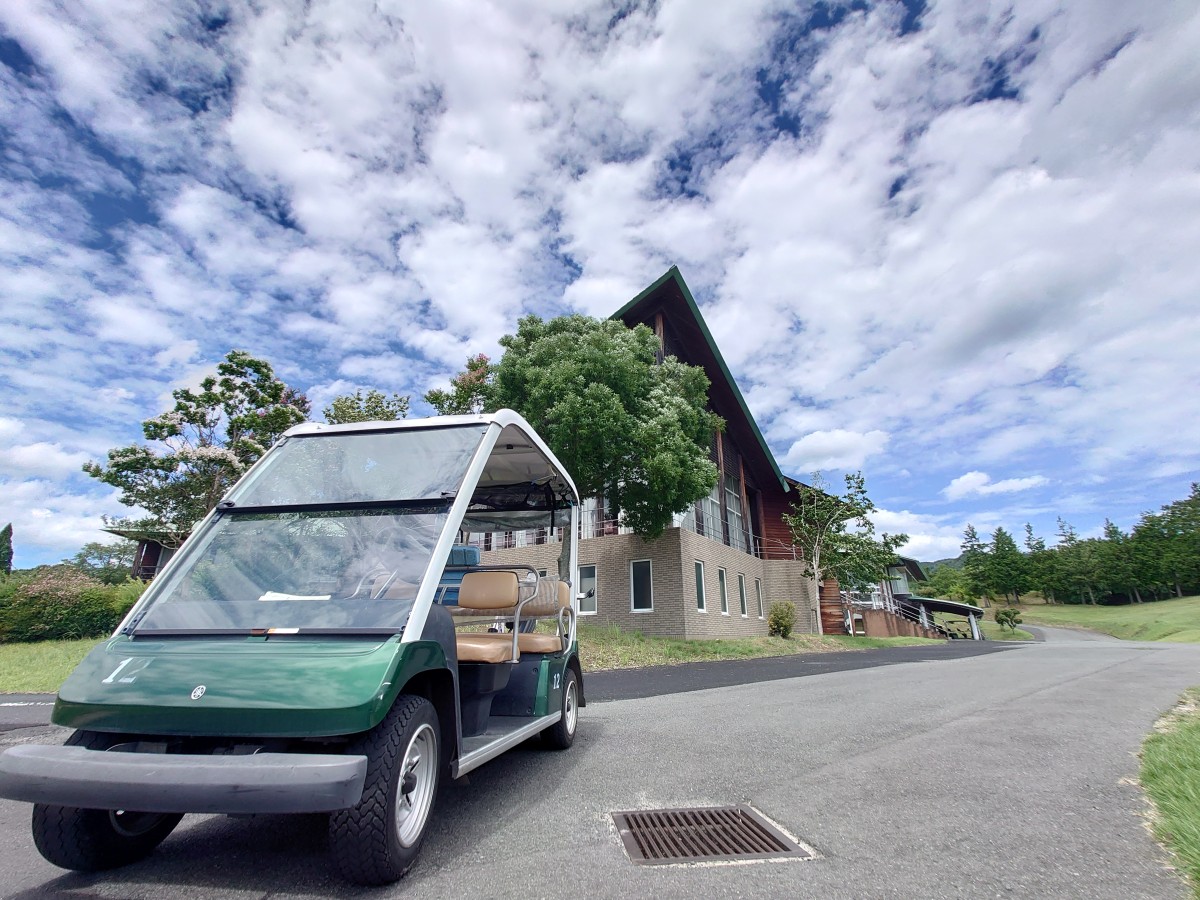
(6, 549)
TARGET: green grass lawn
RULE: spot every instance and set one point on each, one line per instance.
(40, 668)
(1164, 620)
(1171, 777)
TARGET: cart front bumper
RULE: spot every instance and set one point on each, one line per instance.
(182, 783)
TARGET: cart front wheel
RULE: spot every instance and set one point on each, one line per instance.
(90, 840)
(378, 840)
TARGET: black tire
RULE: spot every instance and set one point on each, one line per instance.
(561, 735)
(91, 840)
(378, 840)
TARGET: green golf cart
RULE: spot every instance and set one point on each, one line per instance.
(371, 609)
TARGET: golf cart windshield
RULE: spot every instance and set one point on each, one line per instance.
(333, 532)
(335, 570)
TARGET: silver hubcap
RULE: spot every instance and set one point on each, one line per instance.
(569, 707)
(420, 770)
(132, 824)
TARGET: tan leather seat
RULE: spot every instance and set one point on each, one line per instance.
(487, 592)
(485, 648)
(527, 642)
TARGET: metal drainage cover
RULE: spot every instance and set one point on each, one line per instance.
(715, 834)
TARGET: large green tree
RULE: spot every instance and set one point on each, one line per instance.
(1076, 570)
(109, 563)
(202, 445)
(974, 564)
(1041, 563)
(626, 427)
(836, 534)
(1007, 568)
(373, 406)
(946, 583)
(1118, 572)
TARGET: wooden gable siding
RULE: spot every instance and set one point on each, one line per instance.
(776, 536)
(665, 312)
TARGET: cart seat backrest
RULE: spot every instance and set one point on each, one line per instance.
(488, 590)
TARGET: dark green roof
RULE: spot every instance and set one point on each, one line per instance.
(672, 276)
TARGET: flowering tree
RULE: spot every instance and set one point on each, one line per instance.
(470, 390)
(203, 445)
(374, 406)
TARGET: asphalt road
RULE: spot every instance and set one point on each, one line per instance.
(1003, 774)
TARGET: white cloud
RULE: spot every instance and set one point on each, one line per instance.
(929, 537)
(981, 484)
(836, 449)
(41, 458)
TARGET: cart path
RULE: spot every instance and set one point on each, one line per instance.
(655, 681)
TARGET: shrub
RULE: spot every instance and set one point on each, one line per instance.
(61, 603)
(781, 618)
(1008, 618)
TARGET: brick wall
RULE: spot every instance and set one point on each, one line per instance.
(673, 576)
(711, 623)
(785, 580)
(612, 555)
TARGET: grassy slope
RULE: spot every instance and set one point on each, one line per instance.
(994, 632)
(1165, 620)
(607, 648)
(1171, 776)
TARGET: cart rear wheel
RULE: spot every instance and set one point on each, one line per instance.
(561, 734)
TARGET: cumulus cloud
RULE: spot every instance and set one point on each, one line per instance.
(981, 484)
(835, 449)
(960, 243)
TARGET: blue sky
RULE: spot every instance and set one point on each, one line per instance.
(952, 244)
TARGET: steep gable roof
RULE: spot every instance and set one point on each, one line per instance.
(670, 296)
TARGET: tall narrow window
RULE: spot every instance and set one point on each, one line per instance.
(711, 508)
(724, 588)
(742, 594)
(587, 587)
(641, 586)
(758, 593)
(733, 506)
(700, 586)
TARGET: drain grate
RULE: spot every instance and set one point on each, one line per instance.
(714, 834)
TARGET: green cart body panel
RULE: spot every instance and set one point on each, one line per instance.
(241, 687)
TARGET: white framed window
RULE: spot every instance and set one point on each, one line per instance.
(758, 593)
(587, 587)
(742, 594)
(724, 587)
(641, 585)
(700, 605)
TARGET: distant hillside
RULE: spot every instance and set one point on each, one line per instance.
(954, 563)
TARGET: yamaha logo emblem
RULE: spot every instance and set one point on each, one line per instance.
(198, 692)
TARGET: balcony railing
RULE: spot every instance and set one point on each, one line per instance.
(594, 524)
